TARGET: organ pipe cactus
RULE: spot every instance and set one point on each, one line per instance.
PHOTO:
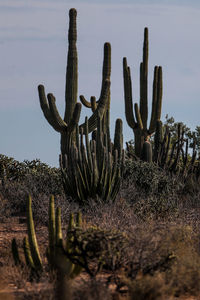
(56, 248)
(97, 166)
(139, 122)
(67, 126)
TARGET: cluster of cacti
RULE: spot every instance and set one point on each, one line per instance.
(173, 156)
(67, 126)
(94, 168)
(139, 122)
(56, 247)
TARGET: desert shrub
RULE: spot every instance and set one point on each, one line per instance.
(165, 260)
(95, 248)
(92, 290)
(23, 288)
(152, 191)
(147, 287)
(28, 177)
(184, 275)
(37, 176)
(149, 250)
(153, 207)
(150, 179)
(10, 168)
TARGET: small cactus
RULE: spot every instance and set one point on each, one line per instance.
(56, 248)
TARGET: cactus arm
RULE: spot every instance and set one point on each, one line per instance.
(92, 121)
(118, 137)
(27, 253)
(106, 68)
(32, 237)
(85, 102)
(58, 226)
(159, 94)
(138, 116)
(93, 103)
(52, 230)
(71, 86)
(46, 110)
(144, 81)
(55, 114)
(128, 95)
(106, 71)
(167, 139)
(157, 141)
(152, 125)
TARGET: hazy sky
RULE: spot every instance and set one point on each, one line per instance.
(33, 48)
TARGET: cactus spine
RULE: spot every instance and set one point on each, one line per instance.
(139, 122)
(67, 126)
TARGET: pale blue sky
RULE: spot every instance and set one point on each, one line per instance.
(33, 47)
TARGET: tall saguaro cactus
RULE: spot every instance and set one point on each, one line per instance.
(67, 126)
(139, 122)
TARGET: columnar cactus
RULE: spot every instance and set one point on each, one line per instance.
(67, 126)
(139, 122)
(97, 165)
(146, 152)
(157, 141)
(32, 240)
(173, 155)
(56, 248)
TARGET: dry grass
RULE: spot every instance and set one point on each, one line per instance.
(148, 272)
(162, 259)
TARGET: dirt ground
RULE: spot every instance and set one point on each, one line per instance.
(10, 228)
(9, 287)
